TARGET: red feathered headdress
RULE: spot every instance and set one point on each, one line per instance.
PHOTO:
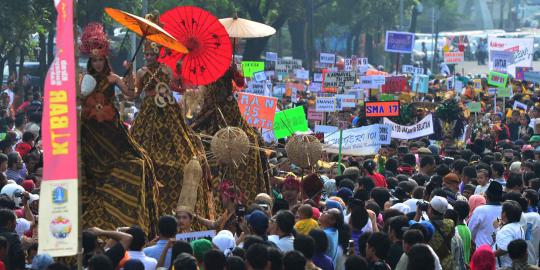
(94, 41)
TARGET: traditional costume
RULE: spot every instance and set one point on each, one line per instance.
(160, 129)
(119, 185)
(220, 109)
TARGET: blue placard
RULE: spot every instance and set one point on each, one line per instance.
(400, 42)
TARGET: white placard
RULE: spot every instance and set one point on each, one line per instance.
(369, 82)
(325, 104)
(360, 141)
(315, 87)
(345, 101)
(522, 48)
(191, 236)
(501, 60)
(363, 61)
(325, 129)
(409, 69)
(301, 74)
(317, 77)
(259, 76)
(420, 129)
(339, 79)
(271, 56)
(327, 58)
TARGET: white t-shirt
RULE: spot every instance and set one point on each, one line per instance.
(505, 235)
(481, 189)
(149, 263)
(11, 96)
(285, 244)
(367, 228)
(532, 236)
(481, 223)
(22, 226)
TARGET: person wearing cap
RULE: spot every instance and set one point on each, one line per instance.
(444, 230)
(451, 187)
(370, 170)
(535, 141)
(256, 223)
(481, 221)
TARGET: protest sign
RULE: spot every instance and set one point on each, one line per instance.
(454, 57)
(522, 48)
(386, 97)
(363, 61)
(327, 58)
(317, 77)
(497, 79)
(420, 129)
(339, 79)
(314, 115)
(362, 69)
(271, 56)
(409, 69)
(259, 76)
(399, 42)
(325, 129)
(501, 60)
(301, 74)
(315, 87)
(420, 83)
(520, 72)
(258, 111)
(474, 106)
(192, 236)
(257, 88)
(300, 87)
(394, 84)
(360, 141)
(492, 91)
(295, 98)
(290, 64)
(458, 86)
(505, 92)
(368, 82)
(477, 83)
(250, 67)
(532, 76)
(325, 104)
(382, 108)
(289, 121)
(345, 101)
(519, 105)
(278, 90)
(348, 64)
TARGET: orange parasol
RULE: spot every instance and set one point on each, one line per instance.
(146, 29)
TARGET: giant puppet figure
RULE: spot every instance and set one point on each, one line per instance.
(119, 187)
(160, 129)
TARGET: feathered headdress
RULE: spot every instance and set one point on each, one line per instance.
(94, 41)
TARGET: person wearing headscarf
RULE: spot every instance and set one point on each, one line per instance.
(118, 185)
(162, 132)
(474, 202)
(483, 258)
(225, 242)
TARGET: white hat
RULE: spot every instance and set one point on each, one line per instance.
(224, 241)
(439, 204)
(515, 167)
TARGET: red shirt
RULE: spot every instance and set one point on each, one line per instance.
(378, 180)
(2, 266)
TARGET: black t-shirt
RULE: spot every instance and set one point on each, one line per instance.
(116, 253)
(394, 254)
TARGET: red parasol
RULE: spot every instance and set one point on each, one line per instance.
(210, 50)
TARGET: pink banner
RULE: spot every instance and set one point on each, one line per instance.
(59, 125)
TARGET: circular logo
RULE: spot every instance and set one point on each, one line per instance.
(60, 227)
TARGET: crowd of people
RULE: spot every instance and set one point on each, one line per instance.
(465, 197)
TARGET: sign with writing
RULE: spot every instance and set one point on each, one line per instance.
(278, 90)
(301, 74)
(315, 87)
(522, 48)
(399, 42)
(477, 83)
(258, 111)
(290, 64)
(314, 115)
(362, 69)
(259, 76)
(317, 77)
(192, 236)
(271, 57)
(289, 121)
(532, 76)
(339, 79)
(363, 61)
(505, 92)
(59, 217)
(325, 104)
(325, 129)
(519, 105)
(345, 101)
(520, 72)
(420, 129)
(368, 82)
(454, 57)
(327, 58)
(409, 69)
(394, 84)
(474, 106)
(382, 108)
(250, 67)
(257, 88)
(501, 60)
(360, 141)
(420, 83)
(497, 79)
(348, 66)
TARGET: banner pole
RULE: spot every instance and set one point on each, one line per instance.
(339, 152)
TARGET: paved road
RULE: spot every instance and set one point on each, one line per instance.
(474, 68)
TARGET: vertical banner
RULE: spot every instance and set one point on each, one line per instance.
(59, 204)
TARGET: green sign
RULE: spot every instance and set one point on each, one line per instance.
(250, 67)
(505, 92)
(474, 106)
(497, 79)
(290, 121)
(387, 97)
